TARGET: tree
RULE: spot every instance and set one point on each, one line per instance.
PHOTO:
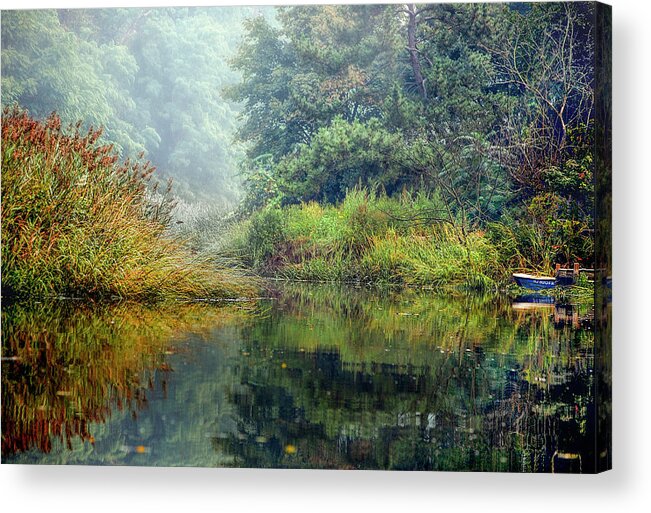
(182, 58)
(322, 62)
(46, 68)
(413, 14)
(545, 58)
(340, 157)
(451, 114)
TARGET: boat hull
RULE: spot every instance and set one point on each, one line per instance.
(534, 282)
(564, 281)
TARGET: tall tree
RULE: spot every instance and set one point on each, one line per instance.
(322, 62)
(46, 67)
(451, 115)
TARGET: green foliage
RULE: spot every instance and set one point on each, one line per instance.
(451, 98)
(438, 259)
(547, 58)
(459, 70)
(331, 96)
(322, 62)
(266, 231)
(341, 156)
(368, 237)
(545, 233)
(573, 177)
(46, 68)
(261, 184)
(182, 58)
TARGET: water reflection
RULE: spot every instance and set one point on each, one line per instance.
(66, 365)
(328, 377)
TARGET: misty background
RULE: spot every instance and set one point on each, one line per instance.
(154, 78)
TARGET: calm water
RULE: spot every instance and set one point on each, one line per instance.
(317, 377)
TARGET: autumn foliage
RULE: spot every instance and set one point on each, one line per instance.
(77, 221)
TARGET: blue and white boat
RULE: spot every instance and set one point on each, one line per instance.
(531, 282)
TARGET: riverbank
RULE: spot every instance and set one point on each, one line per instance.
(77, 222)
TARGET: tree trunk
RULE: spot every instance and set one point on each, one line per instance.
(412, 12)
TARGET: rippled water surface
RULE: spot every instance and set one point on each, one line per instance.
(316, 377)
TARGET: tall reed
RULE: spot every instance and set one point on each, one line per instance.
(76, 221)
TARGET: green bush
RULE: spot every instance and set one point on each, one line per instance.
(266, 231)
(545, 232)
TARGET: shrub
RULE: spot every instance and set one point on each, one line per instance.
(547, 231)
(266, 231)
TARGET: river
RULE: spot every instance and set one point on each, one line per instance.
(315, 376)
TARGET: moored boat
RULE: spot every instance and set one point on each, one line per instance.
(531, 282)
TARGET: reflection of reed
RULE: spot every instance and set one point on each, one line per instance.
(66, 365)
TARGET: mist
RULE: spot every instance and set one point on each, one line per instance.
(153, 78)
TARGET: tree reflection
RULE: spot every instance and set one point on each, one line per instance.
(413, 381)
(326, 377)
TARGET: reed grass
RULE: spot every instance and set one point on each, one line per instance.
(371, 238)
(75, 221)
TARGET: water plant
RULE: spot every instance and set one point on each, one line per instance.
(368, 237)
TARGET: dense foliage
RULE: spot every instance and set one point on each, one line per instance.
(76, 221)
(490, 105)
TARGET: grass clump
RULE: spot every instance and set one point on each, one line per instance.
(368, 237)
(438, 257)
(75, 221)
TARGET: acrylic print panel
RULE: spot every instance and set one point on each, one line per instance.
(386, 242)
